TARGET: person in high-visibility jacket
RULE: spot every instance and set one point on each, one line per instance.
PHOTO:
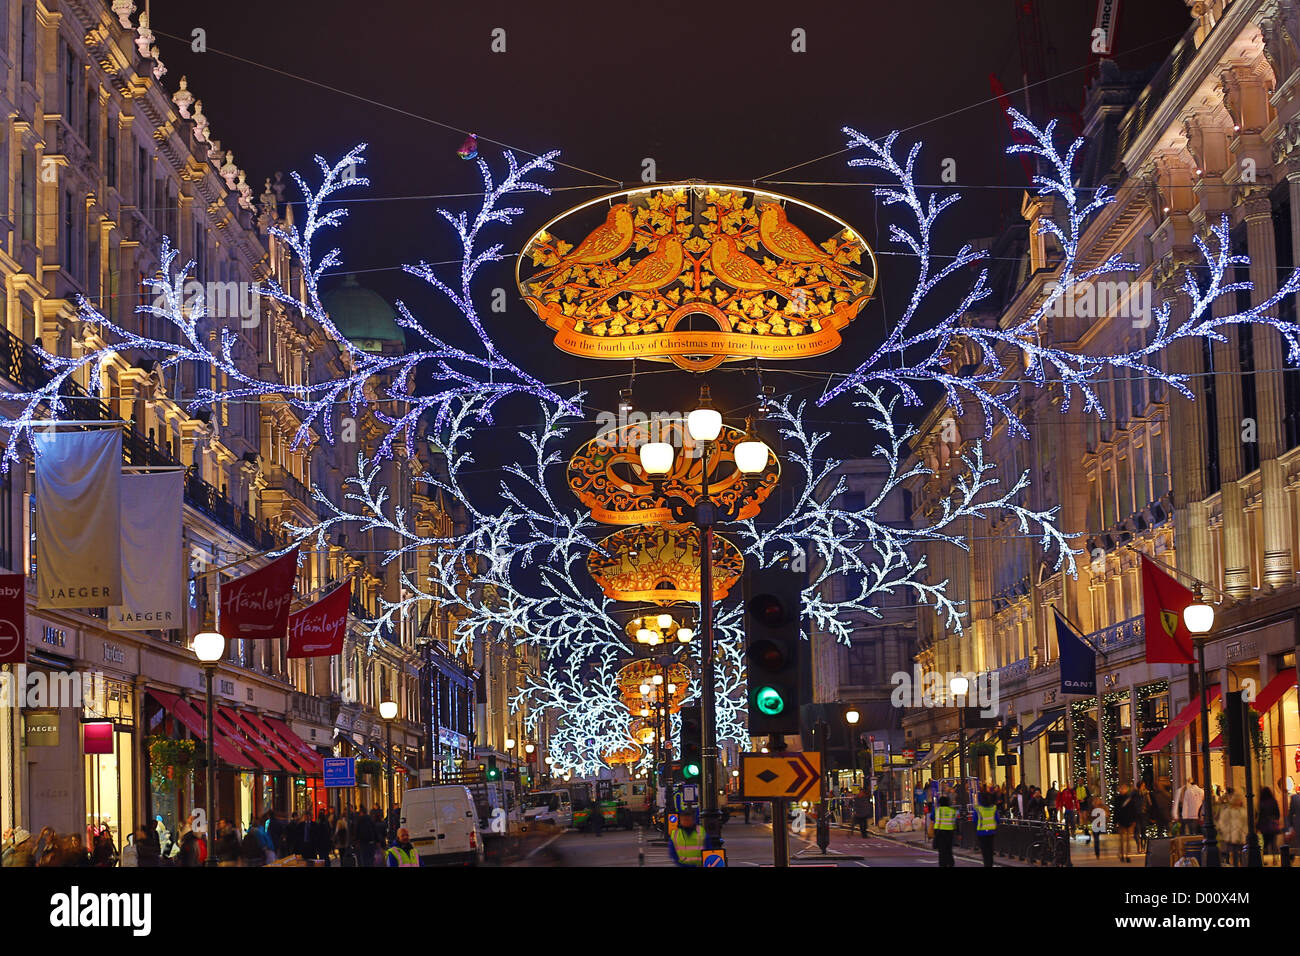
(986, 824)
(945, 827)
(402, 853)
(687, 844)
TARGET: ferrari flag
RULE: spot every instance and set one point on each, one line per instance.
(1163, 600)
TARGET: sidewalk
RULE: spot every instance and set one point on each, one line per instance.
(1081, 849)
(915, 839)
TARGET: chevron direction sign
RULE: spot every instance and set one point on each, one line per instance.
(785, 776)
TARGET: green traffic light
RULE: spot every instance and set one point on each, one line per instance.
(691, 770)
(769, 701)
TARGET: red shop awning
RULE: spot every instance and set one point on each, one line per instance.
(1175, 726)
(269, 745)
(289, 750)
(304, 750)
(1270, 695)
(194, 721)
(221, 719)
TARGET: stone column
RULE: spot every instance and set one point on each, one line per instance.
(1269, 390)
(1187, 423)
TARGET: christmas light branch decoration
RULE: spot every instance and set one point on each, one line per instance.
(836, 536)
(1044, 364)
(372, 382)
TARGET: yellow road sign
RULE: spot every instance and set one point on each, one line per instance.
(790, 776)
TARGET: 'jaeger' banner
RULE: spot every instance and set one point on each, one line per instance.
(317, 631)
(13, 618)
(78, 518)
(256, 606)
(151, 553)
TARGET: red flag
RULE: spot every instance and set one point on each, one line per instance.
(317, 631)
(13, 618)
(1163, 601)
(256, 606)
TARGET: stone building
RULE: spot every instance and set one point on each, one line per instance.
(1205, 486)
(104, 155)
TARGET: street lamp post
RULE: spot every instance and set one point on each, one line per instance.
(387, 711)
(851, 716)
(209, 647)
(751, 457)
(959, 686)
(1199, 618)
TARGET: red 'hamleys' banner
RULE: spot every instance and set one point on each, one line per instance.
(13, 618)
(256, 606)
(1163, 600)
(317, 631)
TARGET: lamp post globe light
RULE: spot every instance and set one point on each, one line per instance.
(704, 425)
(387, 711)
(209, 647)
(1199, 618)
(851, 717)
(959, 686)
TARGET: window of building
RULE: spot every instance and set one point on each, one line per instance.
(27, 196)
(27, 43)
(1107, 499)
(1159, 465)
(71, 91)
(1125, 488)
(92, 123)
(110, 151)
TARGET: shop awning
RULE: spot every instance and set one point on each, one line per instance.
(362, 749)
(309, 757)
(194, 722)
(1039, 726)
(940, 751)
(1269, 696)
(252, 756)
(288, 749)
(269, 745)
(1183, 718)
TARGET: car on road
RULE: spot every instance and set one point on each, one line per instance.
(443, 822)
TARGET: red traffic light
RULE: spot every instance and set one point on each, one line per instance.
(767, 654)
(767, 608)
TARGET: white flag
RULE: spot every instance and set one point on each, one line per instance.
(151, 553)
(78, 523)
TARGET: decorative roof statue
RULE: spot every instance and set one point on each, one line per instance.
(183, 98)
(123, 9)
(200, 123)
(145, 38)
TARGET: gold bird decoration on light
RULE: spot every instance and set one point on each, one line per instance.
(603, 244)
(651, 274)
(741, 272)
(787, 241)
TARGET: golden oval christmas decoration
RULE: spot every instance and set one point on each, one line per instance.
(696, 274)
(605, 474)
(661, 563)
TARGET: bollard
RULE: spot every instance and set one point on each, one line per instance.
(640, 847)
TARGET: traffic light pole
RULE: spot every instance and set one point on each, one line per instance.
(780, 814)
(705, 515)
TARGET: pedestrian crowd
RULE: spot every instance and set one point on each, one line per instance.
(354, 838)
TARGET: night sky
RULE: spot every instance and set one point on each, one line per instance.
(710, 91)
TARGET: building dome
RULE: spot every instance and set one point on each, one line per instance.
(364, 316)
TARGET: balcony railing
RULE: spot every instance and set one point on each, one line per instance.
(1123, 634)
(314, 710)
(221, 509)
(1016, 670)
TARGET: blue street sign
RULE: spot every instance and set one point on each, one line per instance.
(715, 857)
(340, 771)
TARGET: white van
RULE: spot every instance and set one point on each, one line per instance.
(443, 825)
(549, 806)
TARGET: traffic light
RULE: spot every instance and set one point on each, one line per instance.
(690, 744)
(492, 772)
(773, 614)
